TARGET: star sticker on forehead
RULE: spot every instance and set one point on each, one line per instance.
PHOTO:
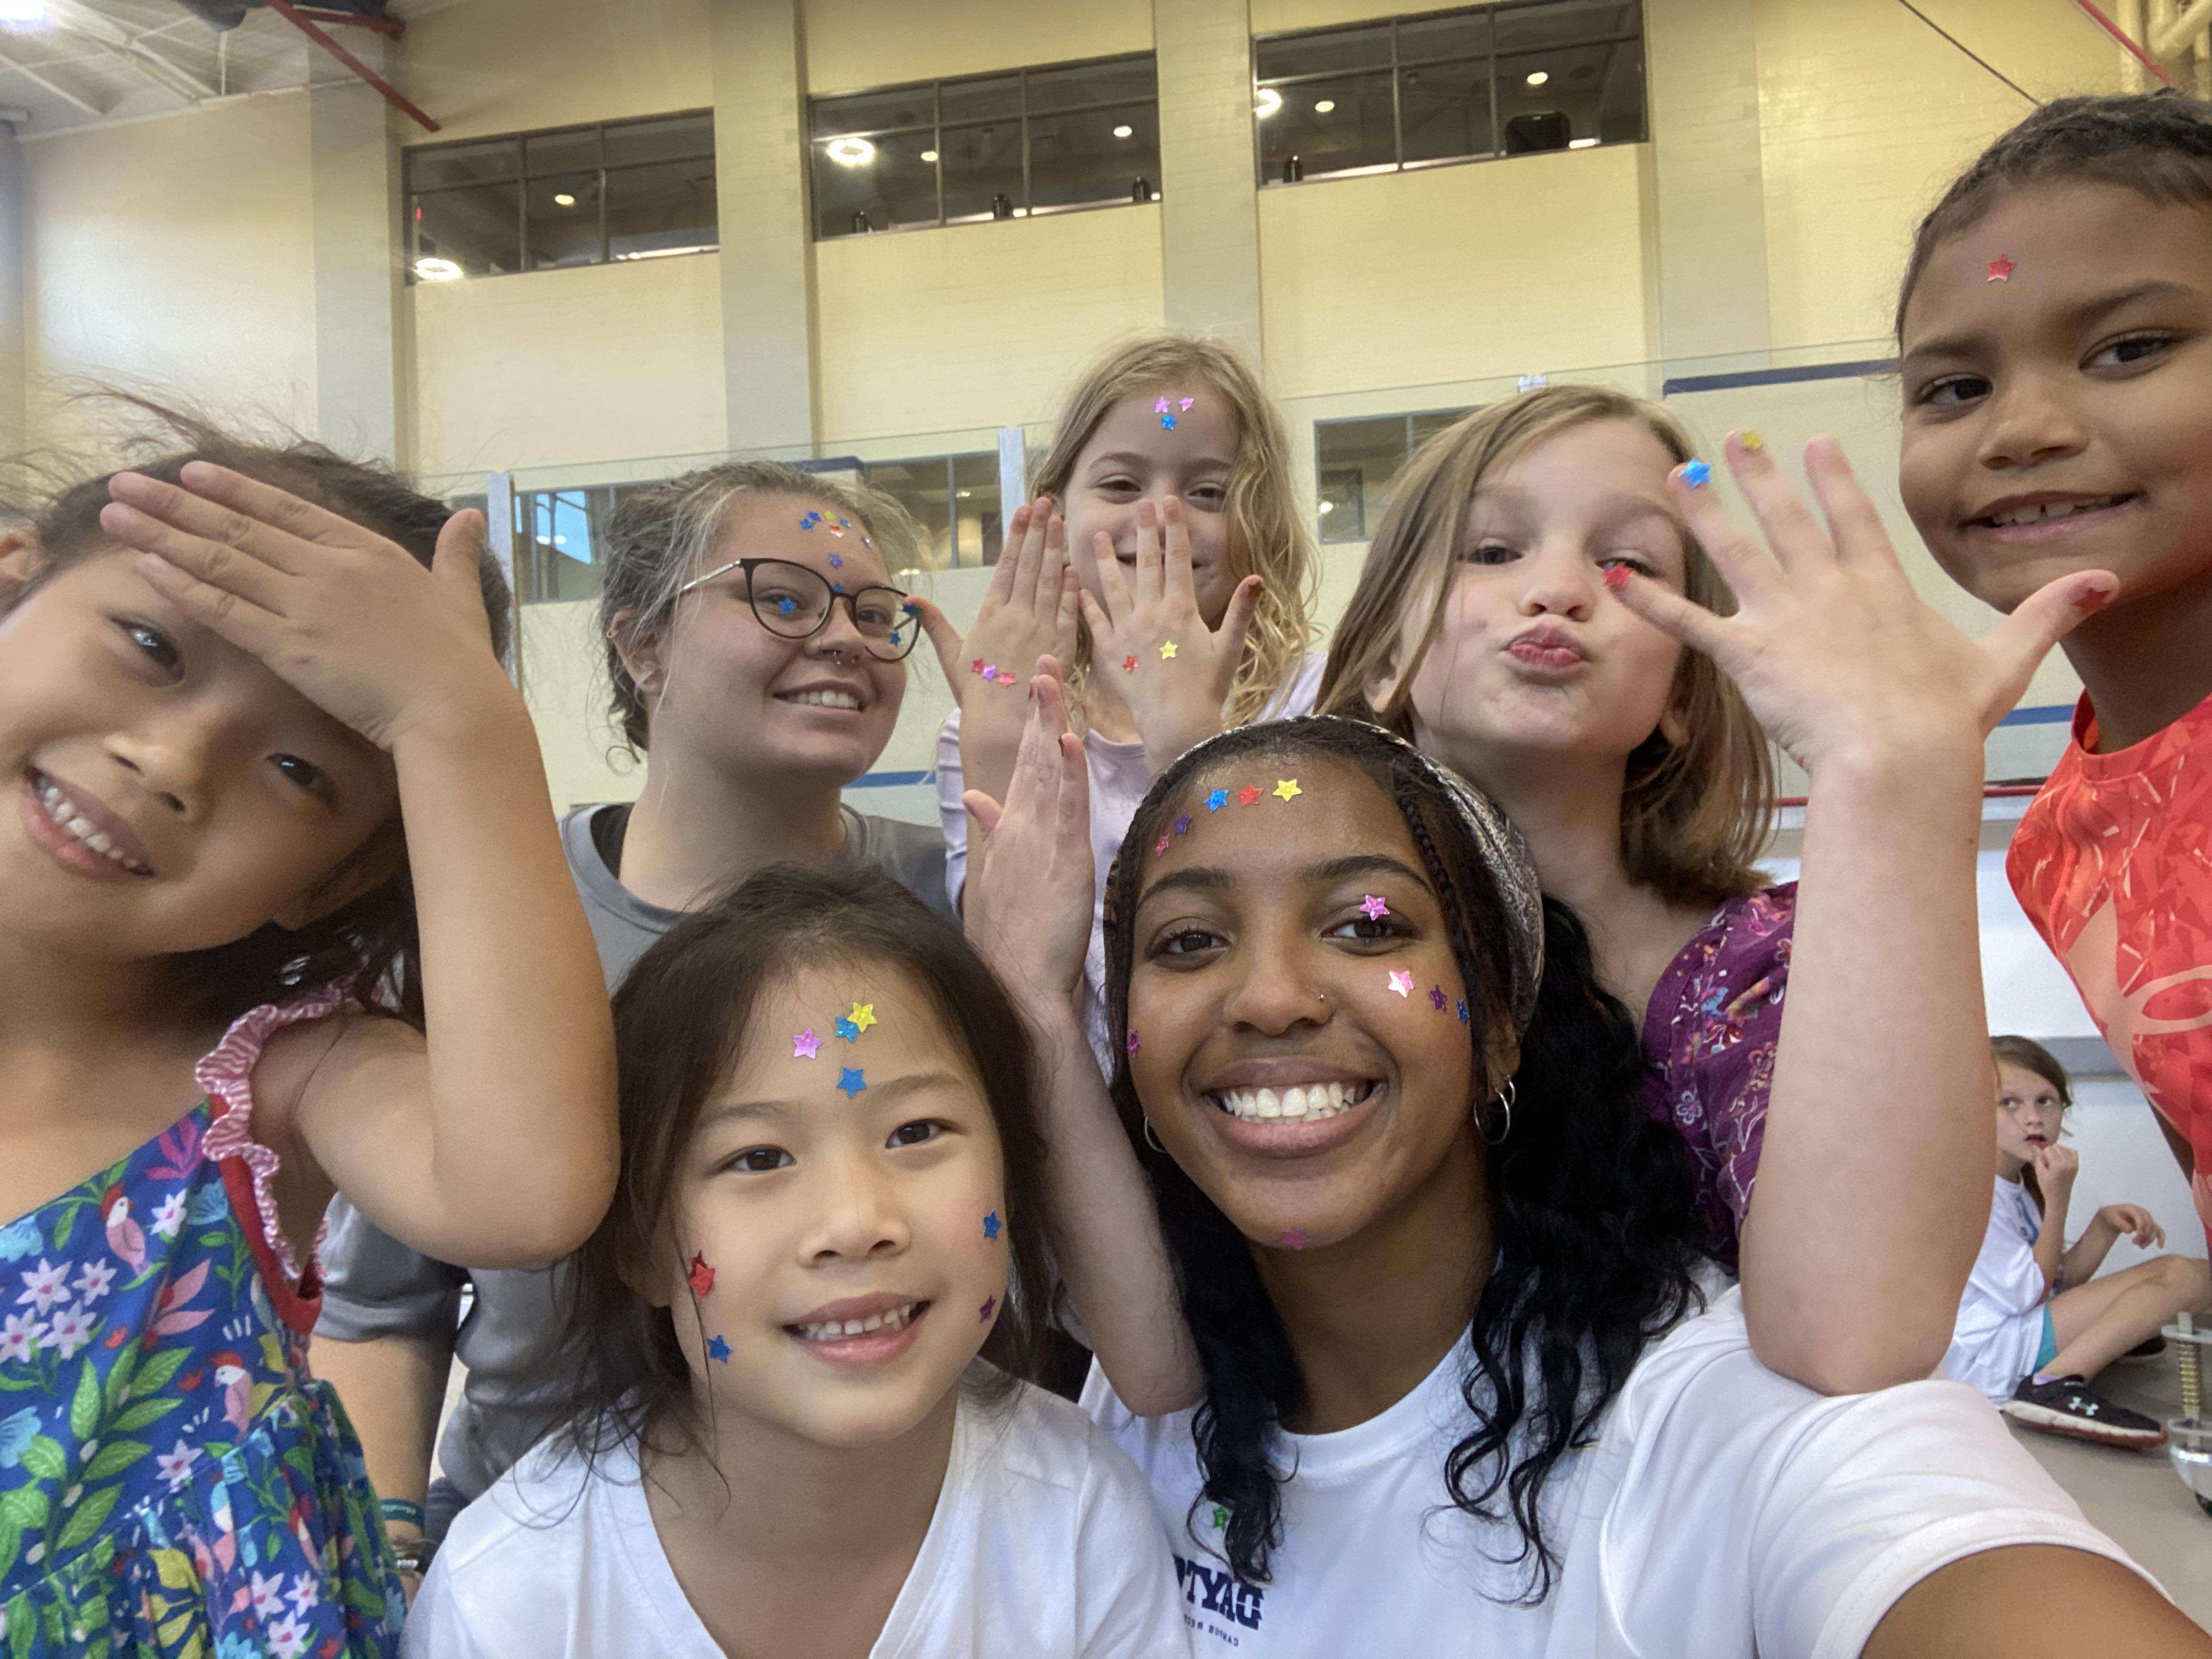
(1286, 787)
(847, 1030)
(1182, 824)
(1402, 981)
(2001, 269)
(1249, 794)
(1216, 799)
(805, 1045)
(701, 1279)
(850, 1080)
(864, 1014)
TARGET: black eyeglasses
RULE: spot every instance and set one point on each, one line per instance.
(796, 602)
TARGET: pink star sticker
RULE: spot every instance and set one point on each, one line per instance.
(2001, 269)
(1295, 1239)
(1161, 407)
(1402, 981)
(805, 1045)
(1375, 909)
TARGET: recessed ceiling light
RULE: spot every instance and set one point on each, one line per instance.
(563, 199)
(1021, 213)
(1268, 102)
(433, 270)
(1537, 78)
(1123, 132)
(963, 494)
(929, 156)
(1328, 506)
(1582, 143)
(1324, 106)
(851, 152)
(22, 11)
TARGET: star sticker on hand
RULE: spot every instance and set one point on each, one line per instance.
(990, 1224)
(720, 1350)
(1373, 908)
(864, 1014)
(805, 1045)
(1249, 795)
(2001, 269)
(701, 1279)
(1698, 474)
(1286, 787)
(1129, 665)
(1402, 981)
(1168, 650)
(850, 1080)
(1216, 799)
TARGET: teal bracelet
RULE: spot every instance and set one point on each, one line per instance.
(402, 1509)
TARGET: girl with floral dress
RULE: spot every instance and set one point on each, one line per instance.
(227, 962)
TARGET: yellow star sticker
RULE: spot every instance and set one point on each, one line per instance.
(864, 1014)
(1286, 788)
(1168, 650)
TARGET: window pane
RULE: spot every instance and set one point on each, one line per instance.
(463, 164)
(918, 487)
(1565, 101)
(1427, 424)
(1327, 126)
(1460, 34)
(1563, 22)
(989, 98)
(875, 111)
(1331, 52)
(556, 542)
(1117, 81)
(1356, 461)
(478, 228)
(668, 208)
(983, 171)
(1445, 110)
(975, 508)
(679, 137)
(563, 227)
(562, 152)
(1100, 155)
(862, 185)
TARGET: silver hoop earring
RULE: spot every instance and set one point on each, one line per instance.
(1505, 1103)
(1153, 1141)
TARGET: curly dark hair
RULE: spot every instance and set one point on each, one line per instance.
(681, 1019)
(2158, 144)
(368, 948)
(1590, 1199)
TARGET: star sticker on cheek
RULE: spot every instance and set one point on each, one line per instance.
(2001, 269)
(1287, 787)
(1373, 908)
(850, 1080)
(1437, 1000)
(1216, 799)
(990, 1307)
(805, 1045)
(701, 1276)
(991, 1225)
(1464, 1017)
(1402, 981)
(1133, 1044)
(836, 560)
(1159, 846)
(1182, 824)
(1295, 1239)
(1249, 794)
(720, 1350)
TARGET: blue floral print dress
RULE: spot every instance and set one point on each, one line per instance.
(173, 1482)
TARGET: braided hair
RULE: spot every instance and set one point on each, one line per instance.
(1590, 1198)
(2158, 144)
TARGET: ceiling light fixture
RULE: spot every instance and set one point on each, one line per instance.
(963, 494)
(1324, 106)
(430, 269)
(1582, 143)
(1123, 132)
(22, 11)
(563, 199)
(1537, 78)
(851, 152)
(1267, 103)
(1328, 506)
(929, 156)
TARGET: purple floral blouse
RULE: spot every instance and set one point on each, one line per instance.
(1710, 1034)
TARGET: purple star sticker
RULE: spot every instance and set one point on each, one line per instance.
(1182, 824)
(1374, 908)
(990, 1305)
(1437, 998)
(805, 1045)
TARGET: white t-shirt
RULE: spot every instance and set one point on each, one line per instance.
(1723, 1511)
(1119, 779)
(1043, 1544)
(2000, 1328)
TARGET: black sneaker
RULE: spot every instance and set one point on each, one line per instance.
(2067, 1404)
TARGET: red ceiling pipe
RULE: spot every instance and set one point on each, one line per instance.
(398, 99)
(2090, 11)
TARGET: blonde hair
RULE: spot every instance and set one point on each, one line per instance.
(1266, 534)
(1694, 815)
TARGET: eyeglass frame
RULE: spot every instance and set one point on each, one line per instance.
(837, 592)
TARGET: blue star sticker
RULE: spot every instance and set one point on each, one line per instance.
(1167, 422)
(895, 636)
(1218, 799)
(990, 1224)
(720, 1350)
(784, 606)
(850, 1079)
(1696, 473)
(847, 1030)
(836, 560)
(1463, 1016)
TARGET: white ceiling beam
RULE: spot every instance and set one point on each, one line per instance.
(68, 94)
(2176, 35)
(165, 72)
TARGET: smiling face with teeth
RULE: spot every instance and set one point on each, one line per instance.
(1282, 1072)
(2060, 420)
(172, 794)
(846, 1231)
(730, 697)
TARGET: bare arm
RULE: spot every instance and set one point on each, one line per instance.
(394, 1387)
(1873, 1185)
(2034, 1598)
(492, 1141)
(1029, 914)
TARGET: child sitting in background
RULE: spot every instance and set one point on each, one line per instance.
(2032, 1328)
(778, 1437)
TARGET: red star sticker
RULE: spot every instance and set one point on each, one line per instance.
(1129, 665)
(1249, 795)
(2001, 269)
(701, 1278)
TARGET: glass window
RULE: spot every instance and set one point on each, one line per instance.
(976, 510)
(1508, 79)
(1358, 461)
(987, 147)
(571, 196)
